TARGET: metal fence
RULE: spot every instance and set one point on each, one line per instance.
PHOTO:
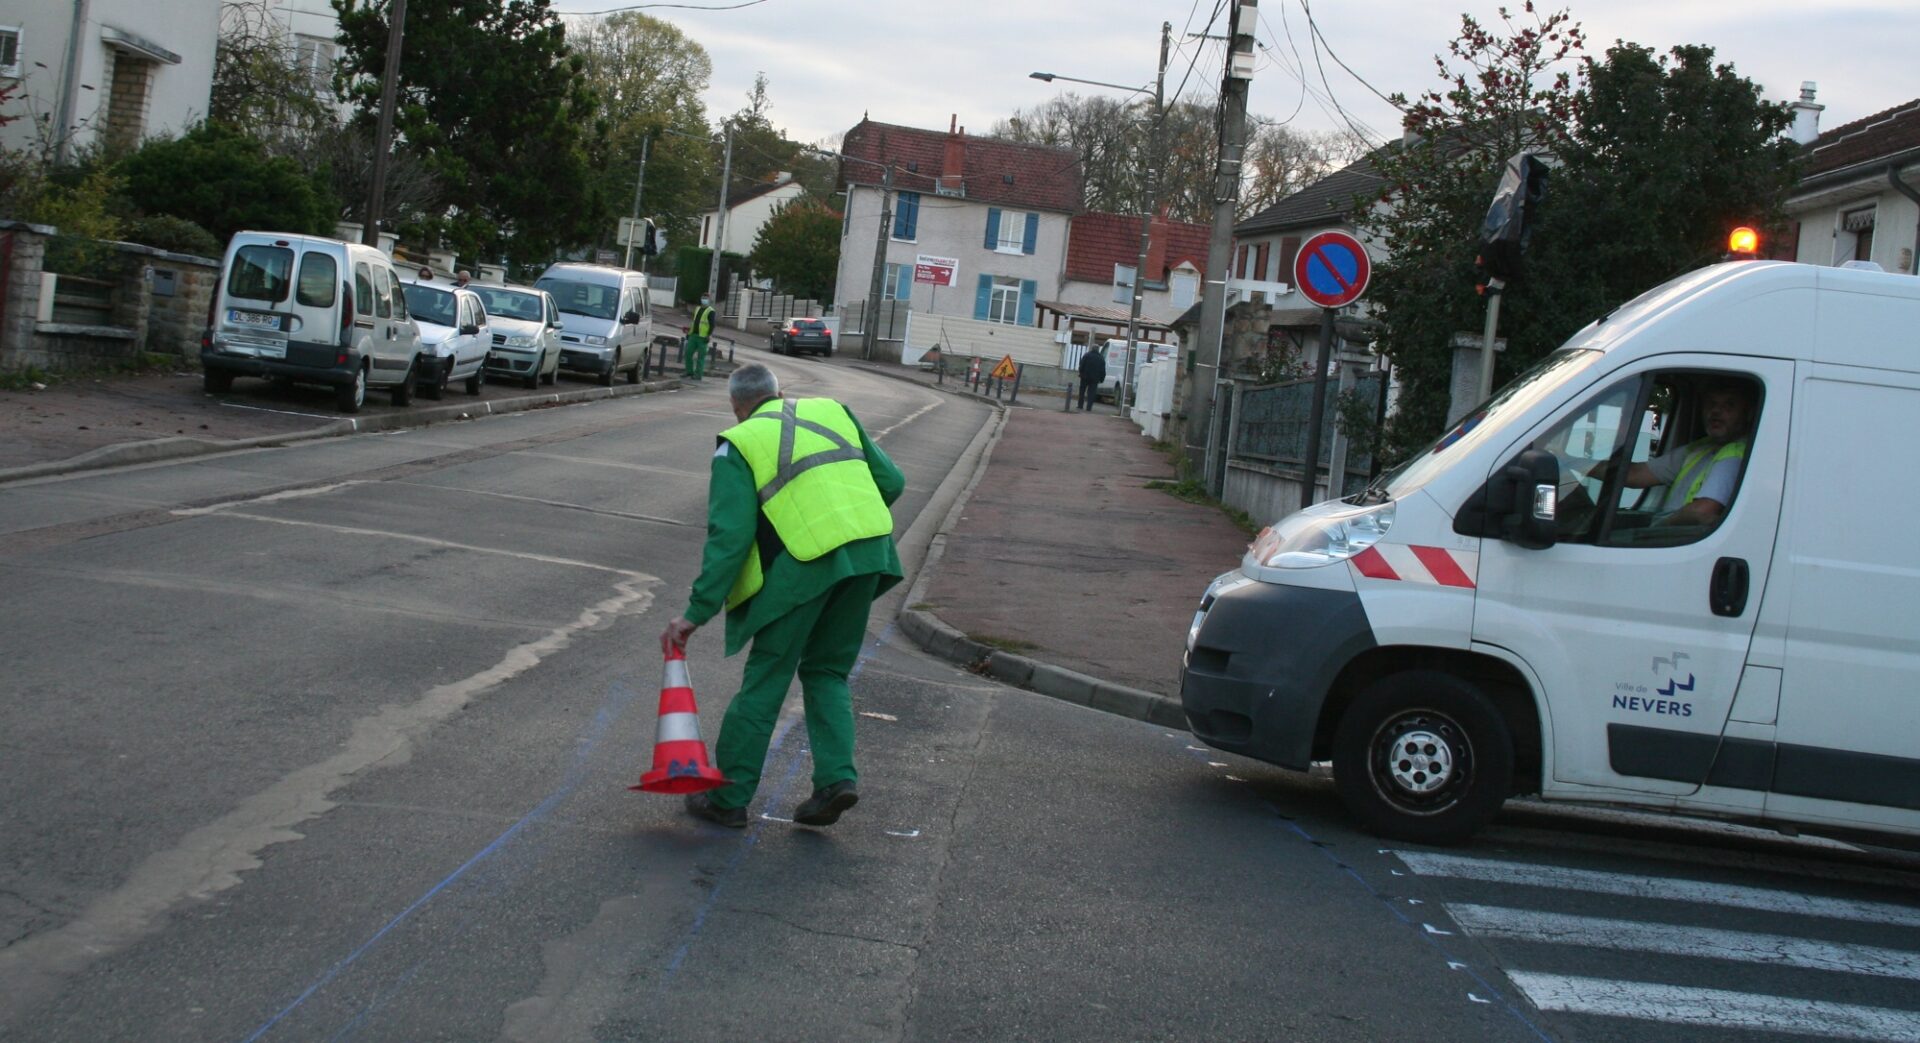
(1271, 426)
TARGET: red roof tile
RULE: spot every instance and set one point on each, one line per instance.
(1096, 242)
(1878, 136)
(998, 172)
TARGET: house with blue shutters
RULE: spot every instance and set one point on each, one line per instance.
(999, 209)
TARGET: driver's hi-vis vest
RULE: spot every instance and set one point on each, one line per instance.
(813, 482)
(703, 321)
(1693, 473)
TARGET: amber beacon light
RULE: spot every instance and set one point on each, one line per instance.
(1743, 242)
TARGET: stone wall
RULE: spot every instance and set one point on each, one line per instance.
(159, 304)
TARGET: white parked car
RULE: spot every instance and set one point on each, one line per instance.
(526, 333)
(454, 334)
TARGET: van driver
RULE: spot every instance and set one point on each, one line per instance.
(1696, 482)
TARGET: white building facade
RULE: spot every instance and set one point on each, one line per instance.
(90, 73)
(1859, 198)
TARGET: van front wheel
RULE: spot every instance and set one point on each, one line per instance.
(349, 398)
(1423, 756)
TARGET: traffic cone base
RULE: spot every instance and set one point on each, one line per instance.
(679, 756)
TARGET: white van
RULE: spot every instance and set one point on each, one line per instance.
(605, 316)
(311, 310)
(1515, 610)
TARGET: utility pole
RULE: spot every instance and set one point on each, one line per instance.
(69, 85)
(383, 138)
(1200, 439)
(1152, 209)
(639, 181)
(720, 226)
(878, 286)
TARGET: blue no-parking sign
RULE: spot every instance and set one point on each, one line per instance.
(1332, 269)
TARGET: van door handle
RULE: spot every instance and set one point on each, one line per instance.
(1728, 597)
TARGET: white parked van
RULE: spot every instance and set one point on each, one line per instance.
(1671, 566)
(605, 316)
(312, 310)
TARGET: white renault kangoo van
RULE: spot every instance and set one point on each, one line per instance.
(1672, 566)
(605, 316)
(310, 310)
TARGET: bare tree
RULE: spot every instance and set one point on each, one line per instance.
(262, 83)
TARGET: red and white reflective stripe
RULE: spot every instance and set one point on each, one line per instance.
(1436, 565)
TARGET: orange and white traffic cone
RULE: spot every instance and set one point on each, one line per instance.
(679, 756)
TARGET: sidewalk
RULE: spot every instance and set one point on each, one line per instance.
(1061, 571)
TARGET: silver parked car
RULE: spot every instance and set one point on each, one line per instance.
(454, 334)
(526, 333)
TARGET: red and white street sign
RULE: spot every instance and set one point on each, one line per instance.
(936, 271)
(1332, 269)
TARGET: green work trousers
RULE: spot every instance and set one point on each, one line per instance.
(821, 639)
(696, 363)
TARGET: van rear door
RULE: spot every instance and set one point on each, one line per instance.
(1622, 622)
(255, 315)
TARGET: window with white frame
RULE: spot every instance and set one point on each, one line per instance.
(1003, 301)
(899, 284)
(1123, 284)
(1013, 233)
(10, 51)
(1185, 285)
(314, 55)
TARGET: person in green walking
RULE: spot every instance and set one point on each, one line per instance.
(697, 335)
(799, 544)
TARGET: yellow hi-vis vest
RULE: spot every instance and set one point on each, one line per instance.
(702, 321)
(1693, 473)
(812, 479)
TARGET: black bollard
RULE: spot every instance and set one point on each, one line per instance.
(1017, 371)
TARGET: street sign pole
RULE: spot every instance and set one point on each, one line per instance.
(1331, 270)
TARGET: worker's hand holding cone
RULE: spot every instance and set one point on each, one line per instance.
(679, 756)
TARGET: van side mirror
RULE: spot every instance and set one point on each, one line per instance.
(1517, 504)
(630, 318)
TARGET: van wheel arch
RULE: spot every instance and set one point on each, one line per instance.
(1498, 680)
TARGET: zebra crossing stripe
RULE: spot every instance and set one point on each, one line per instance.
(1526, 925)
(1672, 889)
(1715, 1007)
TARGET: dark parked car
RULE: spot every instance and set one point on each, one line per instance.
(800, 335)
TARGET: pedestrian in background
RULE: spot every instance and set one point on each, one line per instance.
(799, 544)
(697, 334)
(1093, 370)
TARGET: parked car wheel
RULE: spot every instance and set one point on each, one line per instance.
(478, 380)
(633, 375)
(606, 378)
(403, 391)
(432, 379)
(552, 376)
(351, 397)
(218, 381)
(1423, 756)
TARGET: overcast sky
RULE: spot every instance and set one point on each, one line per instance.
(919, 63)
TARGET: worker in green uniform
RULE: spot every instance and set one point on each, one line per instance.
(799, 544)
(697, 335)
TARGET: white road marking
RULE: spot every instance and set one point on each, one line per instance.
(1593, 932)
(908, 833)
(284, 494)
(1673, 889)
(283, 412)
(1717, 1008)
(878, 716)
(910, 418)
(622, 464)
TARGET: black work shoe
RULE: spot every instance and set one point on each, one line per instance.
(699, 805)
(826, 804)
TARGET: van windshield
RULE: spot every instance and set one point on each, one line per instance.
(513, 304)
(1481, 423)
(593, 300)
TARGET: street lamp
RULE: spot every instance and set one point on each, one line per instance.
(1153, 199)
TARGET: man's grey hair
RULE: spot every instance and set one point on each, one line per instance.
(752, 384)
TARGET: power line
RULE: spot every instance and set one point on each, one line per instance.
(647, 7)
(1315, 27)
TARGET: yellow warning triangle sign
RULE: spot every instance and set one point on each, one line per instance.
(1004, 370)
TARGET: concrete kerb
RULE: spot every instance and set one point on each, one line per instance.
(157, 449)
(933, 634)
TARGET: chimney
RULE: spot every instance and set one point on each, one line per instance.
(1156, 250)
(1806, 115)
(953, 164)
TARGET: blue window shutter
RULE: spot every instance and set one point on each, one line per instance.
(985, 294)
(1028, 290)
(1033, 233)
(903, 283)
(906, 215)
(993, 227)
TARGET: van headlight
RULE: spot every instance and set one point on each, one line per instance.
(1308, 540)
(596, 342)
